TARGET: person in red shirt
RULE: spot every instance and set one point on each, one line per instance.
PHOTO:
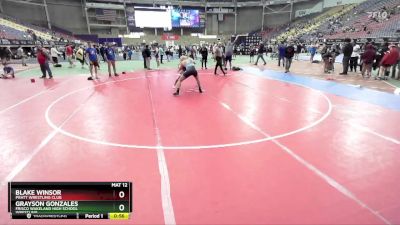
(69, 52)
(43, 60)
(368, 58)
(389, 60)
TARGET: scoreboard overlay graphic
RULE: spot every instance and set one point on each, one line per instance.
(70, 200)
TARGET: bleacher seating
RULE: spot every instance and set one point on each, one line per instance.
(13, 29)
(309, 28)
(353, 24)
(6, 22)
(351, 21)
(11, 33)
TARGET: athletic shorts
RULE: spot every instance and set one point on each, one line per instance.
(228, 58)
(191, 72)
(94, 63)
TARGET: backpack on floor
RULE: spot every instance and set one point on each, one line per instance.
(57, 65)
(234, 68)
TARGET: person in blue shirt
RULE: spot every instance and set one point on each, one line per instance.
(281, 54)
(91, 55)
(313, 51)
(130, 53)
(110, 56)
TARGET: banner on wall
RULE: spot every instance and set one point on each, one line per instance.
(170, 37)
(130, 17)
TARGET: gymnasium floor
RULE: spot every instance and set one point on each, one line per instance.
(257, 147)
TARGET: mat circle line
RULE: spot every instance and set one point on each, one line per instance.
(194, 147)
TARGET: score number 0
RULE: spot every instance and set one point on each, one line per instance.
(121, 194)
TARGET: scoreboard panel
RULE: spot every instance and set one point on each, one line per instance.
(70, 200)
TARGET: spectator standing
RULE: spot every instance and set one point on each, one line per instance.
(289, 53)
(347, 51)
(354, 57)
(281, 54)
(69, 52)
(21, 54)
(381, 53)
(367, 59)
(130, 53)
(228, 55)
(180, 51)
(157, 55)
(54, 55)
(110, 57)
(261, 51)
(388, 60)
(313, 50)
(144, 56)
(80, 55)
(43, 60)
(102, 52)
(91, 55)
(161, 52)
(147, 56)
(298, 51)
(204, 55)
(252, 53)
(218, 58)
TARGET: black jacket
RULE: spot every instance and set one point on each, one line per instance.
(261, 49)
(347, 50)
(289, 51)
(147, 52)
(204, 52)
(144, 52)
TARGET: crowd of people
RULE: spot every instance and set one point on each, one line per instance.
(365, 56)
(91, 54)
